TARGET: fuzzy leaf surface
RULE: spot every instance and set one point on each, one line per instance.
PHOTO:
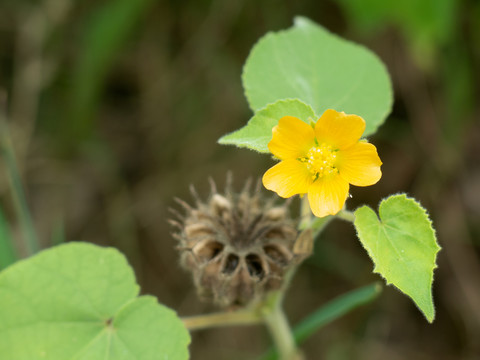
(258, 132)
(403, 247)
(80, 301)
(309, 63)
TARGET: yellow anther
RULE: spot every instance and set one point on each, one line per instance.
(321, 161)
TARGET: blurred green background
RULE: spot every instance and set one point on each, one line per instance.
(114, 107)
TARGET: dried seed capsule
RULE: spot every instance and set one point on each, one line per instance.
(238, 246)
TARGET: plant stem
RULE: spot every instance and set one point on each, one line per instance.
(305, 214)
(273, 314)
(242, 317)
(281, 332)
(346, 215)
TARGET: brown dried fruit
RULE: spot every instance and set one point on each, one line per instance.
(237, 246)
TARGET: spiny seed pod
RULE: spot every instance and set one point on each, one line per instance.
(237, 246)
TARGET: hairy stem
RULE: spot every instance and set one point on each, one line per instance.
(280, 330)
(242, 317)
(346, 215)
(306, 216)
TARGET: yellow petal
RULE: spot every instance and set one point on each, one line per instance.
(327, 195)
(359, 164)
(292, 138)
(339, 129)
(288, 178)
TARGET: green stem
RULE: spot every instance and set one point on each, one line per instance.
(282, 335)
(19, 199)
(306, 216)
(273, 314)
(242, 317)
(277, 323)
(346, 215)
(329, 312)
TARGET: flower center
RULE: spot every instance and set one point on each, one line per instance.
(320, 161)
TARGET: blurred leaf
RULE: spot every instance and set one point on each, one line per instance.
(325, 257)
(7, 251)
(403, 247)
(105, 34)
(58, 233)
(335, 309)
(459, 90)
(18, 194)
(258, 132)
(80, 301)
(425, 23)
(308, 63)
(367, 15)
(330, 312)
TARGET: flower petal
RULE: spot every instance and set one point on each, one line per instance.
(360, 164)
(292, 138)
(327, 195)
(288, 178)
(339, 129)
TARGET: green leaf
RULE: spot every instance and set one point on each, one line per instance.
(308, 63)
(403, 247)
(335, 309)
(258, 132)
(329, 312)
(79, 301)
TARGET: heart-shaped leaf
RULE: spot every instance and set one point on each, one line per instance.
(403, 247)
(79, 301)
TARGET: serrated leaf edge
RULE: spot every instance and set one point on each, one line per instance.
(438, 248)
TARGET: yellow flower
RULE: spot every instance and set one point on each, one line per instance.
(321, 160)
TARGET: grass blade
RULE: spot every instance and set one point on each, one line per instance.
(21, 206)
(107, 31)
(330, 312)
(7, 252)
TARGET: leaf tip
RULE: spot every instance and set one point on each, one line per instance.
(299, 21)
(223, 140)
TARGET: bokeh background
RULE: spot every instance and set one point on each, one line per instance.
(114, 107)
